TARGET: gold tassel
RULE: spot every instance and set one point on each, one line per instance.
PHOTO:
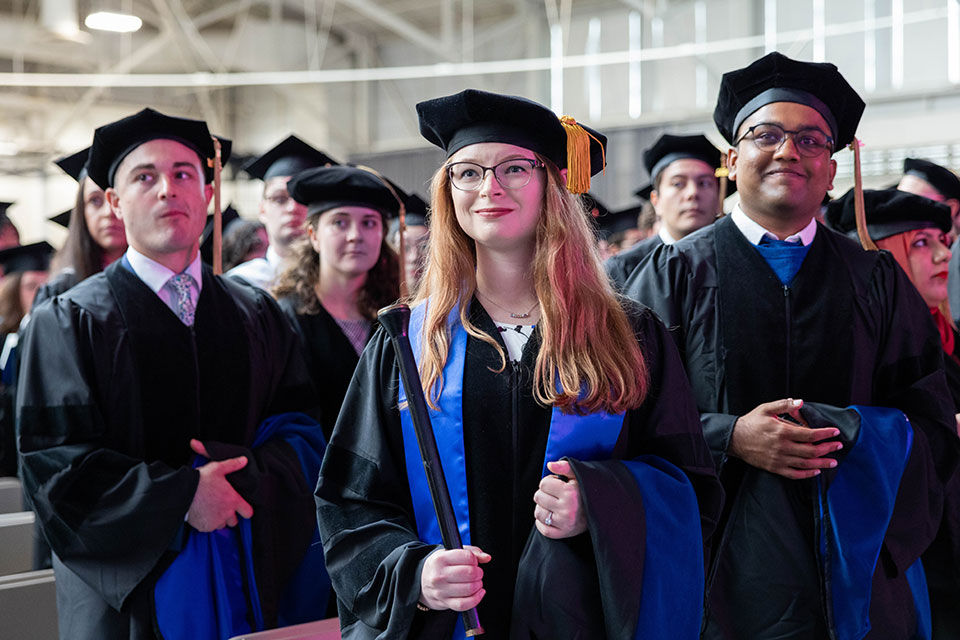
(862, 232)
(578, 155)
(216, 163)
(723, 173)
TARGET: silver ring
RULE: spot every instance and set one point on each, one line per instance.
(549, 519)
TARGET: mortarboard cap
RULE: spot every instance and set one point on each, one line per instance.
(75, 164)
(777, 78)
(473, 116)
(27, 257)
(324, 188)
(889, 212)
(62, 219)
(940, 178)
(227, 216)
(415, 216)
(612, 222)
(670, 148)
(113, 142)
(288, 158)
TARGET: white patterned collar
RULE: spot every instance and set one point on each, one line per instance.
(754, 232)
(155, 275)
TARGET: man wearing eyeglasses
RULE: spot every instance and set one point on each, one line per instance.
(783, 325)
(282, 216)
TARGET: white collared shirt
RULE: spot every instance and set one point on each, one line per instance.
(665, 235)
(754, 232)
(260, 272)
(156, 276)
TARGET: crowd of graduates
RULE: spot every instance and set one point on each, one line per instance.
(676, 421)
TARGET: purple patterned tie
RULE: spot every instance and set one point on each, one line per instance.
(182, 284)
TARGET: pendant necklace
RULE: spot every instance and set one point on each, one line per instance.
(516, 316)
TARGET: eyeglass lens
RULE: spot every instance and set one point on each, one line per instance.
(511, 174)
(809, 142)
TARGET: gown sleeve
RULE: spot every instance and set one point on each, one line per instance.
(666, 424)
(108, 516)
(364, 508)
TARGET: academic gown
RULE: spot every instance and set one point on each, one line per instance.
(620, 266)
(60, 283)
(364, 506)
(112, 388)
(330, 356)
(851, 329)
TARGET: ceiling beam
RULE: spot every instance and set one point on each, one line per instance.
(401, 27)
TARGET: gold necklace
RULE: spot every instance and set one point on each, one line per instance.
(517, 316)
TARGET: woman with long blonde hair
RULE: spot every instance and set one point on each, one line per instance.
(546, 392)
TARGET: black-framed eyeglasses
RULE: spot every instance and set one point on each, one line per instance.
(511, 174)
(770, 137)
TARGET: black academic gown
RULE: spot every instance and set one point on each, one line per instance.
(60, 283)
(851, 329)
(330, 356)
(364, 506)
(112, 387)
(620, 266)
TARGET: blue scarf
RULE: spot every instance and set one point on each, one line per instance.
(860, 502)
(210, 592)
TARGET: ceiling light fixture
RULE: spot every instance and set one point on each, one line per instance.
(117, 22)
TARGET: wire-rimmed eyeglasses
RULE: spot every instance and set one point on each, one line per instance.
(511, 174)
(770, 137)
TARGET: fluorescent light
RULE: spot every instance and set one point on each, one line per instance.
(119, 22)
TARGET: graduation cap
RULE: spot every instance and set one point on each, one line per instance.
(75, 164)
(670, 148)
(26, 257)
(940, 178)
(777, 78)
(324, 188)
(889, 212)
(206, 238)
(288, 158)
(62, 219)
(616, 221)
(113, 142)
(473, 116)
(416, 215)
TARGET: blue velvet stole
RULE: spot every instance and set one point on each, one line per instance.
(673, 574)
(209, 591)
(667, 493)
(785, 258)
(859, 505)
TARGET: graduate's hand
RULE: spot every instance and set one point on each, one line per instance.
(216, 504)
(765, 440)
(561, 498)
(453, 579)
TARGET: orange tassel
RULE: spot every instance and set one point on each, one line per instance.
(862, 232)
(578, 155)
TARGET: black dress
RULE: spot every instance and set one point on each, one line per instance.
(364, 505)
(112, 387)
(330, 356)
(851, 329)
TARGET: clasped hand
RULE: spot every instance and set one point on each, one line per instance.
(767, 441)
(216, 504)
